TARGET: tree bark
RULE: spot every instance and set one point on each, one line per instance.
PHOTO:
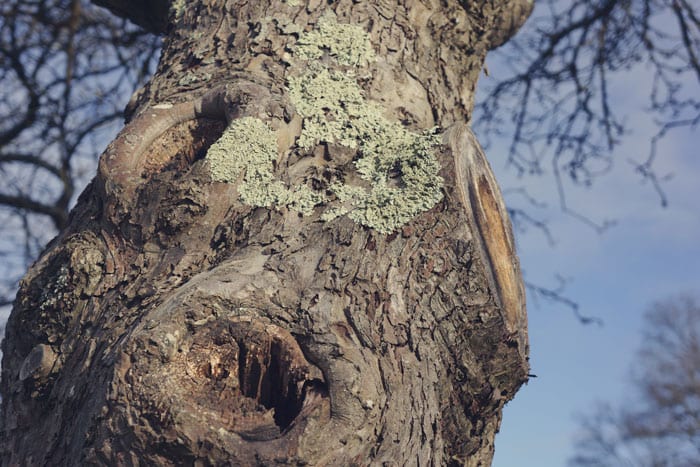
(295, 252)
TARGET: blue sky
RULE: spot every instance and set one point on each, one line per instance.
(651, 254)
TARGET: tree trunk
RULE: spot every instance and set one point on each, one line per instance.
(294, 253)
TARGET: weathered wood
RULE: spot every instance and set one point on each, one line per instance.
(196, 313)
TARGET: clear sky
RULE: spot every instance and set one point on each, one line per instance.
(651, 254)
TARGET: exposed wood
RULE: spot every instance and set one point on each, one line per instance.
(482, 199)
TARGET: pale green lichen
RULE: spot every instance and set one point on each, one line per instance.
(402, 174)
(55, 291)
(348, 44)
(386, 207)
(245, 142)
(398, 167)
(328, 101)
(178, 7)
(191, 78)
(248, 148)
(334, 110)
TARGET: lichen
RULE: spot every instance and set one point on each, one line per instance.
(191, 78)
(248, 149)
(328, 101)
(398, 167)
(385, 207)
(246, 141)
(347, 44)
(178, 7)
(56, 290)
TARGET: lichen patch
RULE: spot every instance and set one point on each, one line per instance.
(397, 167)
(245, 142)
(335, 111)
(346, 44)
(248, 149)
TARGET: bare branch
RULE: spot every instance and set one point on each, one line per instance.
(68, 69)
(558, 89)
(556, 295)
(58, 216)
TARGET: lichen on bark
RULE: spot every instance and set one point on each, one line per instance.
(399, 170)
(347, 44)
(248, 148)
(398, 166)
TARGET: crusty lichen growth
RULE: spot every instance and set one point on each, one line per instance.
(328, 101)
(385, 207)
(178, 7)
(399, 170)
(399, 165)
(347, 44)
(246, 141)
(248, 148)
(55, 291)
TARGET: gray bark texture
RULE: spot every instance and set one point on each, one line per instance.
(177, 322)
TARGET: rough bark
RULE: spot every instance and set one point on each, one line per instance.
(175, 321)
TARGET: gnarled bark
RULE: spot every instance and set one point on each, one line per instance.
(177, 319)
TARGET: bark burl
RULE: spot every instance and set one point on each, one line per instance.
(294, 252)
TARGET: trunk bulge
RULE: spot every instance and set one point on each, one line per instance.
(295, 252)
